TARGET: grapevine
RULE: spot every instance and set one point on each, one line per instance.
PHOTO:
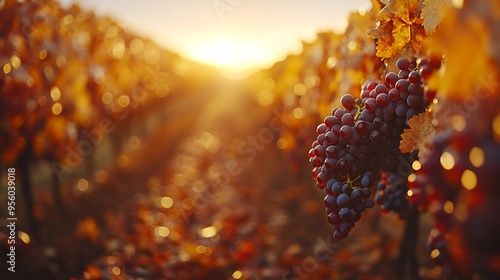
(357, 145)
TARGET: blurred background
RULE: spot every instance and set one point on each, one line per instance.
(169, 139)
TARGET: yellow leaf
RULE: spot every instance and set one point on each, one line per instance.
(383, 34)
(433, 12)
(420, 132)
(404, 10)
(396, 29)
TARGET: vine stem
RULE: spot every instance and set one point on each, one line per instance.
(406, 263)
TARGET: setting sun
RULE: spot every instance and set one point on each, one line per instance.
(230, 54)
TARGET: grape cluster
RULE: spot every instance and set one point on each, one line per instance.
(356, 143)
(391, 194)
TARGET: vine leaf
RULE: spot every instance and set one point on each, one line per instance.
(420, 131)
(433, 12)
(394, 29)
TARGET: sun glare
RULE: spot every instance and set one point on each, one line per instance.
(231, 55)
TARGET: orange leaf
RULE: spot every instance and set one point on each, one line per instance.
(420, 131)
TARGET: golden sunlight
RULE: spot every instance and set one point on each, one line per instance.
(230, 54)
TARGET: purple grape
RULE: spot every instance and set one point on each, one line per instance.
(394, 94)
(369, 203)
(345, 227)
(377, 122)
(331, 138)
(364, 94)
(347, 118)
(381, 88)
(332, 151)
(411, 112)
(339, 113)
(401, 109)
(336, 128)
(367, 116)
(330, 121)
(346, 131)
(389, 111)
(366, 181)
(334, 219)
(337, 188)
(346, 189)
(331, 164)
(414, 77)
(343, 165)
(343, 200)
(414, 89)
(320, 151)
(347, 100)
(357, 194)
(370, 104)
(322, 128)
(388, 128)
(361, 127)
(403, 74)
(402, 85)
(370, 85)
(403, 64)
(330, 201)
(366, 193)
(413, 101)
(426, 72)
(322, 179)
(391, 78)
(404, 95)
(382, 100)
(422, 61)
(376, 136)
(338, 235)
(355, 215)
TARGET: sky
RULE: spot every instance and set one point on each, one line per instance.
(236, 35)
